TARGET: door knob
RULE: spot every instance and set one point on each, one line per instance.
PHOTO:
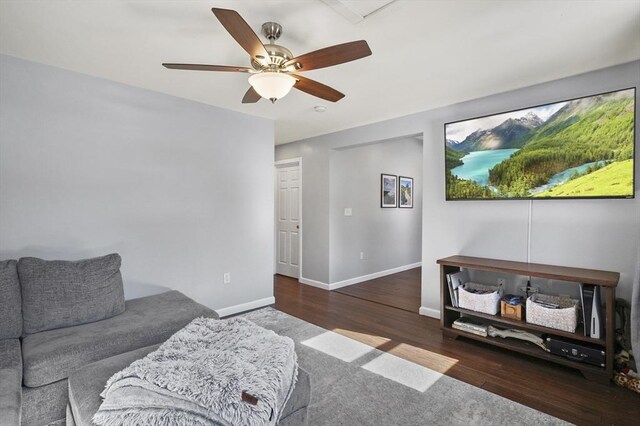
(297, 226)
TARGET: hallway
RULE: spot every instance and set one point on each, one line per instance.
(400, 290)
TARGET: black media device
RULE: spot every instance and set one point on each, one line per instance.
(580, 352)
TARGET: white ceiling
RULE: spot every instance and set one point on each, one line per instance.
(426, 54)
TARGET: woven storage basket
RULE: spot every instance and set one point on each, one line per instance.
(487, 303)
(564, 318)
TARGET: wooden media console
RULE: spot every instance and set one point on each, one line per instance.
(606, 280)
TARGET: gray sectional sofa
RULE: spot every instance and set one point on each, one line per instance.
(59, 319)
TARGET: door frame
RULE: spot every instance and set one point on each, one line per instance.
(296, 161)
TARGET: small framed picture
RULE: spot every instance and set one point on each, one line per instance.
(388, 191)
(406, 192)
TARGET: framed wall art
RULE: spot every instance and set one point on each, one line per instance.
(405, 192)
(388, 191)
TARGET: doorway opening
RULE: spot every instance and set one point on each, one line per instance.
(376, 229)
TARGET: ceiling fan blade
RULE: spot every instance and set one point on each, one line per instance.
(242, 33)
(203, 67)
(329, 56)
(251, 97)
(317, 89)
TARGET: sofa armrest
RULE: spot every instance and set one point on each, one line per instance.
(10, 381)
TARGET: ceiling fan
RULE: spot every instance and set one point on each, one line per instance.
(274, 69)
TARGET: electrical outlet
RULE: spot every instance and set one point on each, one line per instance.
(361, 255)
(226, 278)
(501, 281)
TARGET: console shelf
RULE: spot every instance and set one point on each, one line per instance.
(605, 279)
(578, 335)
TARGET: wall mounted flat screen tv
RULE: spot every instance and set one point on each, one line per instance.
(579, 148)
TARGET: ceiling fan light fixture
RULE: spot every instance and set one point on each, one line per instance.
(272, 85)
(274, 68)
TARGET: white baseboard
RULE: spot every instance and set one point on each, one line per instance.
(359, 279)
(225, 312)
(314, 283)
(428, 312)
(375, 275)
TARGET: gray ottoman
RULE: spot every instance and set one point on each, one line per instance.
(86, 384)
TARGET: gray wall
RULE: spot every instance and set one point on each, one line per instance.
(182, 190)
(315, 206)
(389, 238)
(600, 234)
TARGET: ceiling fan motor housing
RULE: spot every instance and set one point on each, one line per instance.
(278, 55)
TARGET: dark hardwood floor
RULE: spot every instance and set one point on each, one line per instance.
(553, 389)
(401, 290)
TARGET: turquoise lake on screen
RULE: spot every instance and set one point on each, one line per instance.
(478, 163)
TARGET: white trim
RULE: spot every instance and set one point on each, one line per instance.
(225, 312)
(368, 277)
(314, 283)
(429, 312)
(357, 280)
(292, 161)
(342, 9)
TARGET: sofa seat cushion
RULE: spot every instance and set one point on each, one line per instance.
(300, 397)
(51, 355)
(60, 293)
(10, 381)
(45, 405)
(86, 384)
(10, 301)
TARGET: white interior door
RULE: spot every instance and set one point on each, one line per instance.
(288, 220)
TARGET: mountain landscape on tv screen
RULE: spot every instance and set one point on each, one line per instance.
(573, 149)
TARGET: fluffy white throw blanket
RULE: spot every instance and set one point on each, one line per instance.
(198, 377)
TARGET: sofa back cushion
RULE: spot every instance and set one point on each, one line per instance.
(10, 301)
(59, 293)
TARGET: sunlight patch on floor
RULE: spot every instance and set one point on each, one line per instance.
(408, 365)
(424, 357)
(404, 372)
(368, 339)
(338, 346)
